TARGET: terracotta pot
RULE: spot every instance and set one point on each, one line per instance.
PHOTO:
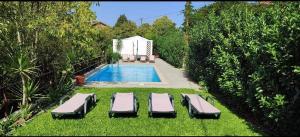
(80, 79)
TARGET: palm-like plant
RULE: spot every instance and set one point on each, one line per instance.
(22, 65)
(31, 89)
(119, 44)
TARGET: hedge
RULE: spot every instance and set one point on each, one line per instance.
(252, 55)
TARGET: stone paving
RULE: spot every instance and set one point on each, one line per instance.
(170, 76)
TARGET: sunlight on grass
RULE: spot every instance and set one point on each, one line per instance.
(97, 122)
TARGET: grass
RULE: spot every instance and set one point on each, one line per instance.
(97, 122)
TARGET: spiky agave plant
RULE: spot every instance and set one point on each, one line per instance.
(24, 66)
(31, 89)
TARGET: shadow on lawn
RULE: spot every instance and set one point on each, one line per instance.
(162, 116)
(124, 116)
(242, 111)
(134, 116)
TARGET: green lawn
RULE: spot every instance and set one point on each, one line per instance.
(97, 122)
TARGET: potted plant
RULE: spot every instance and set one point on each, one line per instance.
(80, 79)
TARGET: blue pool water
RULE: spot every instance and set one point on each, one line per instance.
(125, 73)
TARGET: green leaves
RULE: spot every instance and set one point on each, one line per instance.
(24, 67)
(163, 25)
(249, 52)
(124, 28)
(45, 39)
(127, 29)
(31, 89)
(171, 47)
(297, 69)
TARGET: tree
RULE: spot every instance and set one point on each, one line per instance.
(187, 15)
(145, 30)
(186, 26)
(56, 34)
(124, 27)
(162, 25)
(121, 20)
(127, 29)
(171, 47)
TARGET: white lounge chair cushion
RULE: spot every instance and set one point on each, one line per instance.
(123, 102)
(143, 58)
(201, 105)
(124, 57)
(72, 104)
(131, 57)
(151, 57)
(161, 103)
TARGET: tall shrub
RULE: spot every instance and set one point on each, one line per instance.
(168, 41)
(251, 55)
(171, 47)
(57, 35)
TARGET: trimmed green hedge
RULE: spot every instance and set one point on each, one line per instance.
(252, 56)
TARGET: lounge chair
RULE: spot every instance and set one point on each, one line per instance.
(161, 103)
(123, 103)
(124, 58)
(197, 105)
(143, 59)
(151, 58)
(131, 58)
(77, 105)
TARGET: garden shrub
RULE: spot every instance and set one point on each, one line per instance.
(171, 47)
(115, 57)
(251, 55)
(168, 41)
(60, 37)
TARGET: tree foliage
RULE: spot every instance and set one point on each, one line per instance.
(168, 41)
(187, 15)
(171, 47)
(162, 25)
(124, 28)
(145, 30)
(57, 35)
(249, 52)
(121, 20)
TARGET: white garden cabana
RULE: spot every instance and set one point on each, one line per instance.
(136, 45)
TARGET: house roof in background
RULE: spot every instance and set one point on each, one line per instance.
(94, 22)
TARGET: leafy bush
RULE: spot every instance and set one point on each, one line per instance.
(250, 54)
(171, 47)
(168, 41)
(115, 57)
(62, 85)
(18, 118)
(54, 36)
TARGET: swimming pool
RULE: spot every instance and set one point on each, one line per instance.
(125, 73)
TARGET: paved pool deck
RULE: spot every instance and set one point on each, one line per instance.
(170, 76)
